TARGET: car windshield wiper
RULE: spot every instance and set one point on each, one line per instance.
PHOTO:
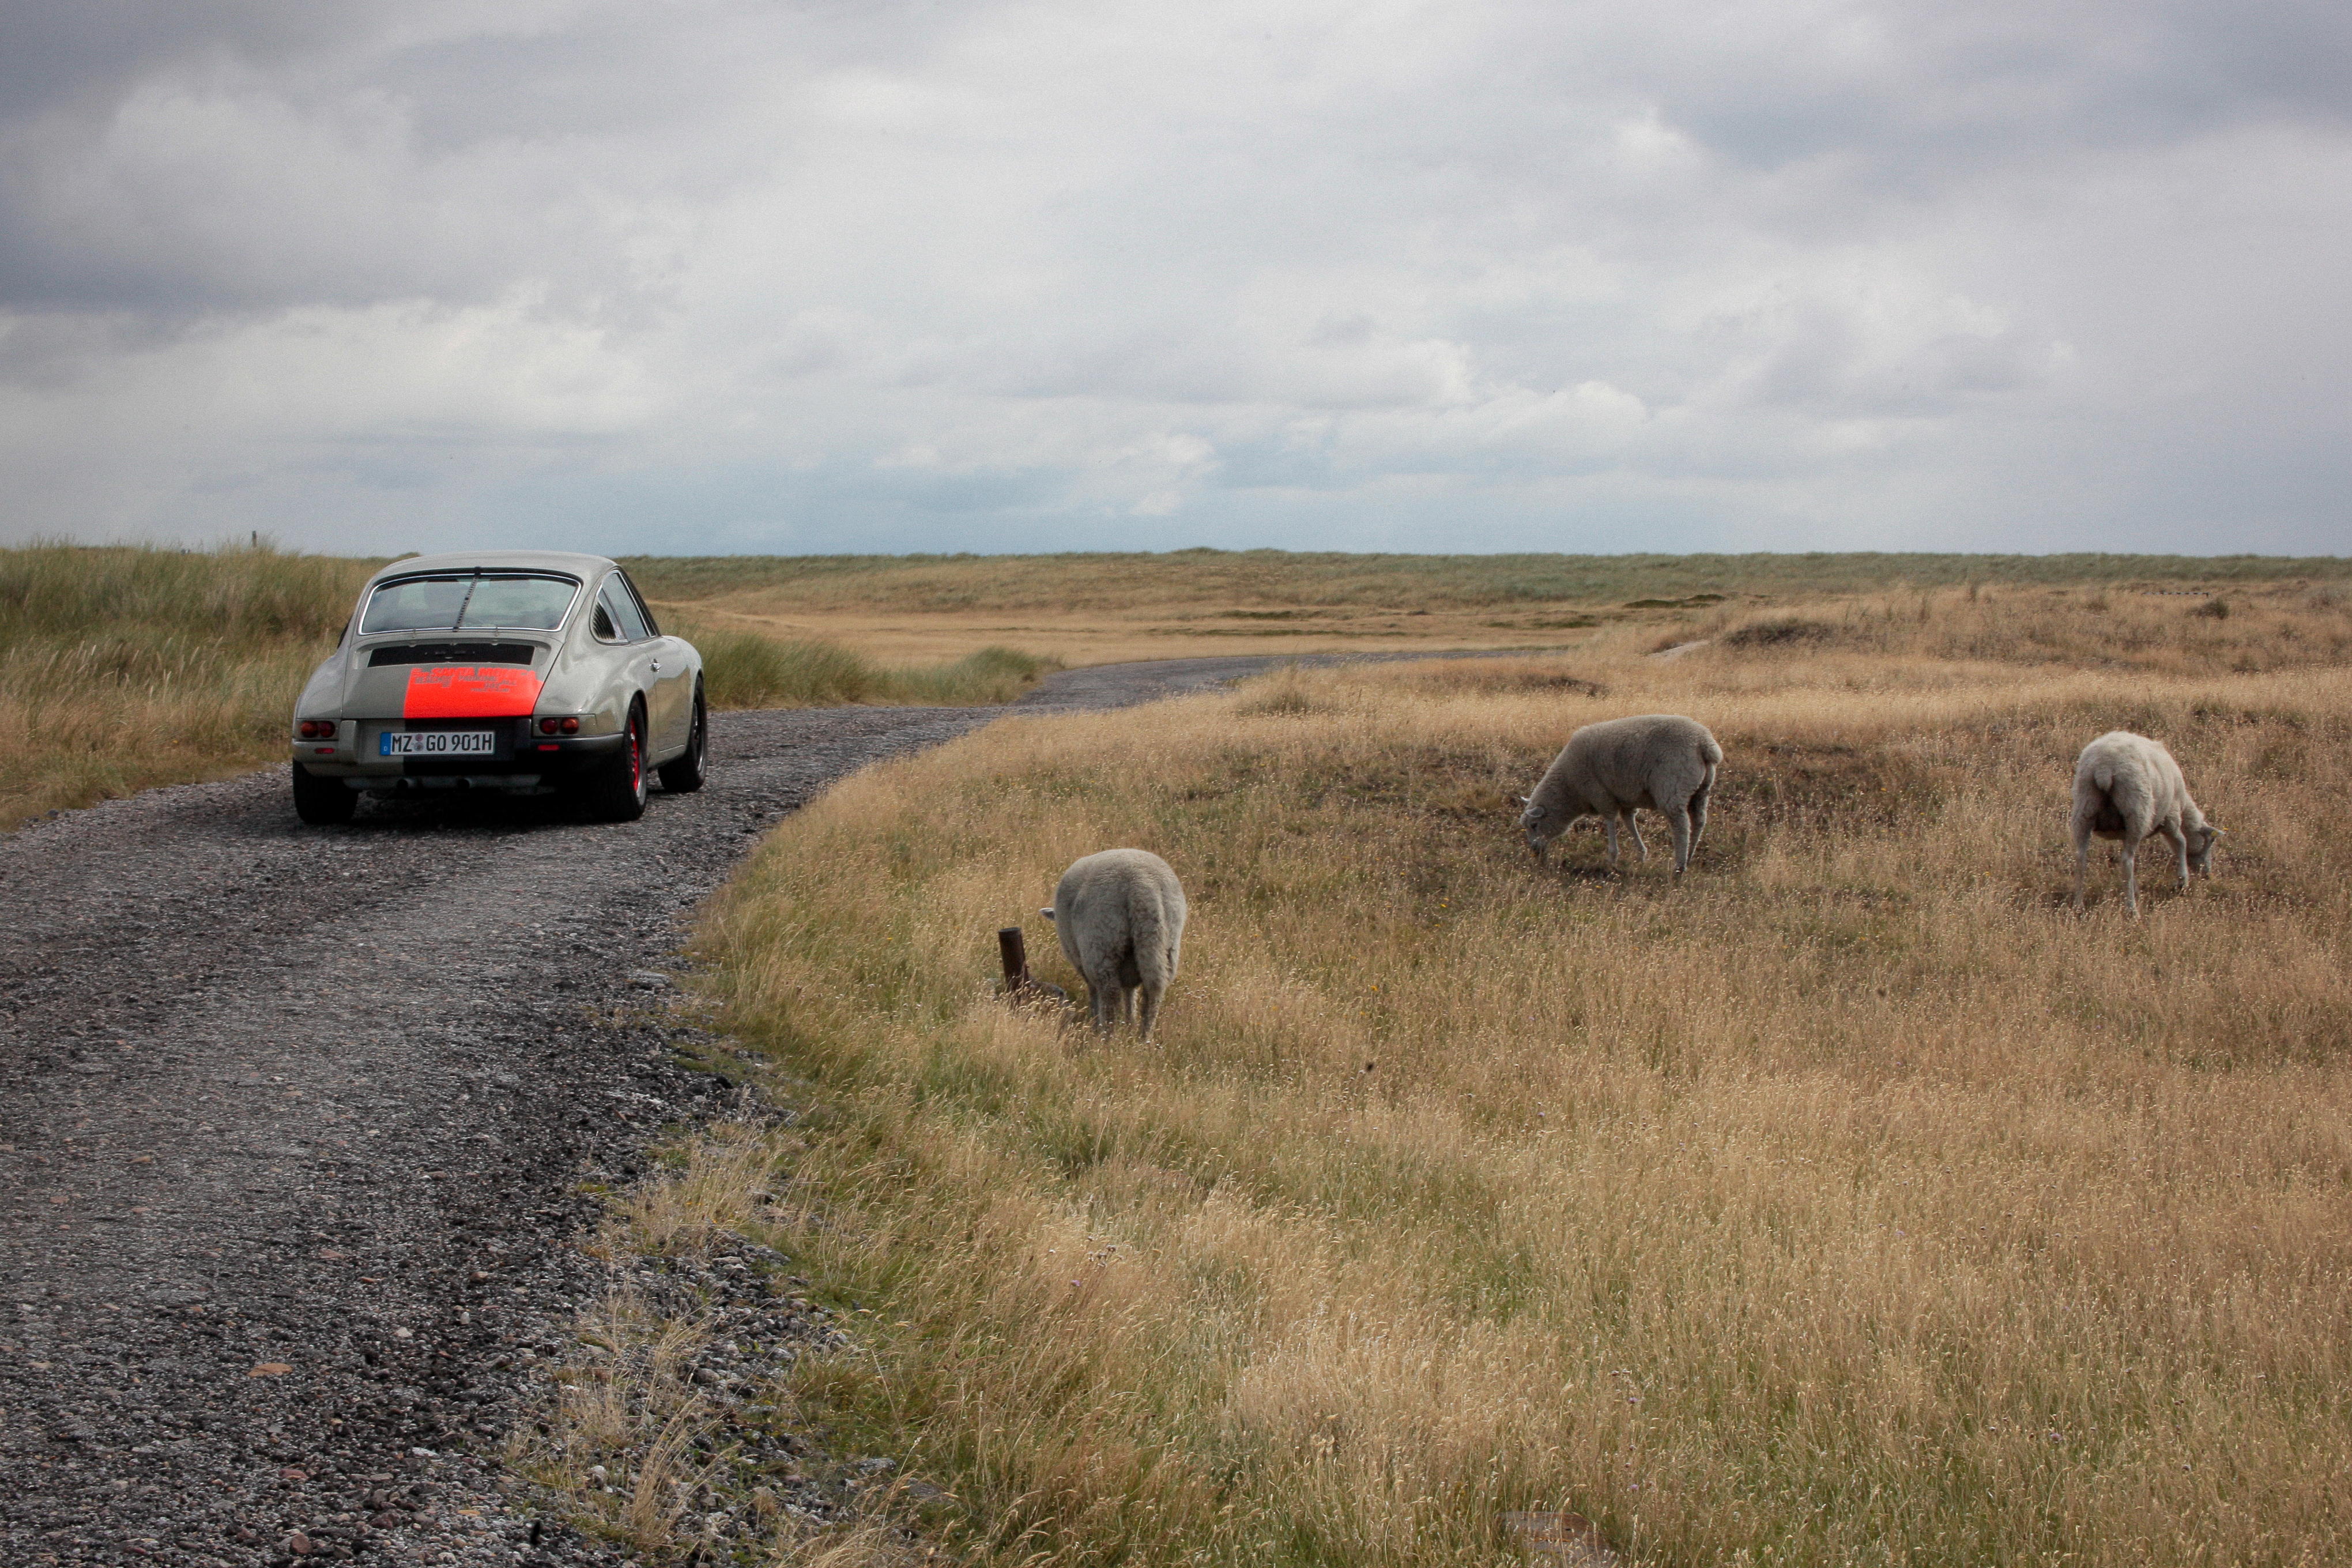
(467, 600)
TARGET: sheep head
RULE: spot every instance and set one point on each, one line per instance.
(2201, 839)
(1536, 823)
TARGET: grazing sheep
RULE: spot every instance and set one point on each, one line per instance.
(2128, 787)
(1662, 761)
(1120, 916)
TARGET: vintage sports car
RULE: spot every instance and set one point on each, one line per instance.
(525, 671)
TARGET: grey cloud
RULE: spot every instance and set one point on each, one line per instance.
(257, 156)
(1715, 267)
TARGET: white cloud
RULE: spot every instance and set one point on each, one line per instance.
(1035, 274)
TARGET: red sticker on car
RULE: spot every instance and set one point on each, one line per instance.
(461, 692)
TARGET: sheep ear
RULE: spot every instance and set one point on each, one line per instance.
(1526, 800)
(1047, 913)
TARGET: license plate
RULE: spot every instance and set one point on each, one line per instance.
(439, 744)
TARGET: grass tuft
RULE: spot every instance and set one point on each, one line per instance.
(1780, 632)
(746, 669)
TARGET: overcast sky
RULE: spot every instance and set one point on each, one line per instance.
(718, 275)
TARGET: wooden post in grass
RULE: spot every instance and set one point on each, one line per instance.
(1018, 984)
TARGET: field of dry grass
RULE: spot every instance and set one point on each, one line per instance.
(1096, 609)
(122, 668)
(1850, 1201)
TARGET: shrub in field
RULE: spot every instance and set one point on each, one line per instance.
(1779, 633)
(744, 670)
(991, 675)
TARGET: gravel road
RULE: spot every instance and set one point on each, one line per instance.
(290, 1119)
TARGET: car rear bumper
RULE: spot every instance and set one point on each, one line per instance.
(527, 766)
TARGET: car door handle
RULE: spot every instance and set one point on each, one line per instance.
(656, 667)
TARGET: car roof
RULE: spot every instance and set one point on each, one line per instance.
(584, 567)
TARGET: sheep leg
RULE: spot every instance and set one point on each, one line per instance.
(2172, 831)
(1109, 999)
(1633, 826)
(2131, 872)
(1698, 816)
(1678, 827)
(1609, 825)
(1149, 997)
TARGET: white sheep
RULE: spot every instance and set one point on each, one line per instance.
(1661, 761)
(2128, 787)
(1120, 916)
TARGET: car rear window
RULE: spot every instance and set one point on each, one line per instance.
(622, 621)
(468, 601)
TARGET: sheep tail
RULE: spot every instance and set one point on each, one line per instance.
(2120, 790)
(2104, 817)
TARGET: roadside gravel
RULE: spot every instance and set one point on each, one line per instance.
(292, 1122)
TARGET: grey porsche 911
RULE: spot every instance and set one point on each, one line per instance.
(524, 672)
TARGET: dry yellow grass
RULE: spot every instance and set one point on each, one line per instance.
(124, 668)
(1096, 609)
(616, 1451)
(1850, 1201)
(1076, 637)
(619, 1448)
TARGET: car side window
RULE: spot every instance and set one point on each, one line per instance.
(617, 619)
(645, 610)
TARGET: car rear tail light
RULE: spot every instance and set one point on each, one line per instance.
(559, 726)
(316, 729)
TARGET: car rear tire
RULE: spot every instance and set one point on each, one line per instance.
(685, 774)
(618, 793)
(320, 802)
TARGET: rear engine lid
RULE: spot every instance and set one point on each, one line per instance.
(448, 678)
